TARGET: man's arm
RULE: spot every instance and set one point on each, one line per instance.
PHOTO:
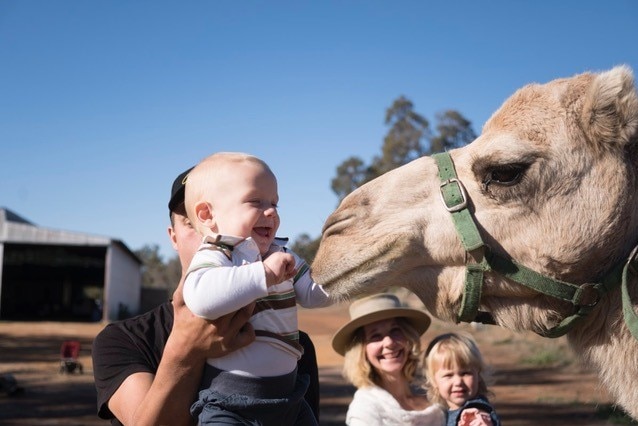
(165, 398)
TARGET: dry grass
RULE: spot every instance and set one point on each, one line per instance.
(538, 381)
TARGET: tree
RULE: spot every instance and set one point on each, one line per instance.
(454, 131)
(408, 138)
(155, 273)
(404, 141)
(306, 247)
(351, 174)
(173, 273)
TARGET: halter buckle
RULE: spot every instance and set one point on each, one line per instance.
(587, 295)
(461, 190)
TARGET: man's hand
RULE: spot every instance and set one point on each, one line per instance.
(165, 398)
(210, 338)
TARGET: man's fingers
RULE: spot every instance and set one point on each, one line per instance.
(235, 321)
(178, 295)
(244, 337)
(245, 313)
(240, 331)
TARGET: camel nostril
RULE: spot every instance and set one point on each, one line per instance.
(336, 223)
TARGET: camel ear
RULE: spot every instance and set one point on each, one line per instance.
(610, 113)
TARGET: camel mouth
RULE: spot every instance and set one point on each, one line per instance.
(361, 269)
(340, 284)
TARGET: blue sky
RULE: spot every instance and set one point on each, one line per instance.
(103, 103)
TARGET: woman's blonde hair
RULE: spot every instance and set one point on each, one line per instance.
(358, 370)
(452, 350)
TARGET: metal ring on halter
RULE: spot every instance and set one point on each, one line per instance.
(463, 203)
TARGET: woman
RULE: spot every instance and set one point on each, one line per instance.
(382, 348)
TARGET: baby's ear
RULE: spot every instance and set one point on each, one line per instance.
(204, 213)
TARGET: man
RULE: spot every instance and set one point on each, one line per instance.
(148, 368)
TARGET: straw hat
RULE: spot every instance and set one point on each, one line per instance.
(375, 308)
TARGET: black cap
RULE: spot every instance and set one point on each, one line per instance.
(177, 191)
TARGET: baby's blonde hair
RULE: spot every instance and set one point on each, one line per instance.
(201, 182)
(357, 369)
(452, 350)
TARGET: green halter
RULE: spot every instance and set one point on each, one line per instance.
(583, 297)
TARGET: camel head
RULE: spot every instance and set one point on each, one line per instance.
(551, 184)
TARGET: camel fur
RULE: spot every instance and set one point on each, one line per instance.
(552, 183)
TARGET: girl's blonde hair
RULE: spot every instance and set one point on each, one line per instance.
(358, 370)
(452, 350)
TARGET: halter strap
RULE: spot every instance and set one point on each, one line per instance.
(583, 297)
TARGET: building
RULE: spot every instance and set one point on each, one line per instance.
(48, 274)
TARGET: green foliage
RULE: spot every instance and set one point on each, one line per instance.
(155, 272)
(173, 273)
(403, 143)
(548, 357)
(408, 138)
(306, 247)
(351, 174)
(505, 341)
(453, 130)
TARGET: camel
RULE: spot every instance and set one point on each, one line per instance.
(532, 226)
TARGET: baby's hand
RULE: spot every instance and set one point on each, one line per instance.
(474, 417)
(279, 267)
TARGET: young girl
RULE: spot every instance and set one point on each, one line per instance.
(456, 376)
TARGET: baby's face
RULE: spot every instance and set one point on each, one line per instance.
(246, 206)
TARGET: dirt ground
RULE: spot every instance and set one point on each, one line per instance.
(537, 381)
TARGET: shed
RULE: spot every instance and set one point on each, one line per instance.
(54, 275)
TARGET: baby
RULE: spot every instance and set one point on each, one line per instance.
(231, 200)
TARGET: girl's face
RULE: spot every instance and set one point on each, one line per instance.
(386, 347)
(456, 385)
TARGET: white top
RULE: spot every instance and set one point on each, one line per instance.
(220, 281)
(374, 406)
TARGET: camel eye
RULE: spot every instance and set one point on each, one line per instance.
(506, 175)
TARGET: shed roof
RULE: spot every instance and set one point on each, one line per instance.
(16, 229)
